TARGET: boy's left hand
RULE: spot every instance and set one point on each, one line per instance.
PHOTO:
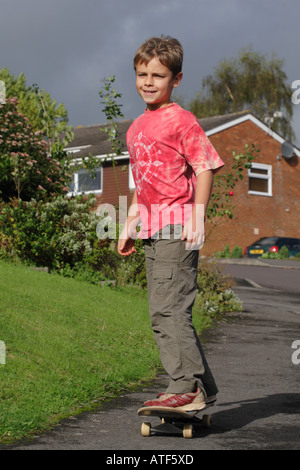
(194, 230)
(126, 247)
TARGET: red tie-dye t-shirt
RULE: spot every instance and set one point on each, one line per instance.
(168, 149)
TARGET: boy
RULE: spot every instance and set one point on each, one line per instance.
(173, 164)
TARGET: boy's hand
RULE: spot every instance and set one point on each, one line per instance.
(194, 230)
(127, 237)
(126, 247)
(129, 233)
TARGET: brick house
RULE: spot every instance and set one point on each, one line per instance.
(266, 202)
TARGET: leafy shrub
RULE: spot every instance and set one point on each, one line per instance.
(51, 234)
(284, 252)
(237, 252)
(61, 235)
(268, 255)
(223, 254)
(226, 251)
(215, 294)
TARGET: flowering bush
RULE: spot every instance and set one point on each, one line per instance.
(51, 234)
(27, 169)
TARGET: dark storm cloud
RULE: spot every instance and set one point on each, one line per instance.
(69, 46)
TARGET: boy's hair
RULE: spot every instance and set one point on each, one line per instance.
(166, 49)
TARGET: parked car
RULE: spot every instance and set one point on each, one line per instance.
(272, 245)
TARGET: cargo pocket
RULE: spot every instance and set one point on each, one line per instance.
(162, 278)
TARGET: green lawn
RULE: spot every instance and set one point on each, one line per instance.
(68, 343)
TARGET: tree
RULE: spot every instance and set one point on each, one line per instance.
(112, 111)
(250, 82)
(37, 105)
(27, 168)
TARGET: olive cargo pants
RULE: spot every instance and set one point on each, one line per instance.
(172, 286)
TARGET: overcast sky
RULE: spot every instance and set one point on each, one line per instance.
(68, 47)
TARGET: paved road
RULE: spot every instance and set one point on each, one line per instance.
(258, 405)
(274, 274)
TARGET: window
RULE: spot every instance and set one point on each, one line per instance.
(260, 179)
(86, 182)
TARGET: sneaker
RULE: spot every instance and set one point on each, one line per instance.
(184, 402)
(210, 401)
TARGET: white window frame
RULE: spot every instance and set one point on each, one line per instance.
(268, 177)
(76, 191)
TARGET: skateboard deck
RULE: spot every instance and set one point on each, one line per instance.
(175, 422)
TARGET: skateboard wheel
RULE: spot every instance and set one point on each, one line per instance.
(188, 431)
(146, 429)
(206, 421)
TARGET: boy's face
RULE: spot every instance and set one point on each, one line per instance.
(154, 83)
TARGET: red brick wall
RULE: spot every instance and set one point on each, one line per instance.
(276, 215)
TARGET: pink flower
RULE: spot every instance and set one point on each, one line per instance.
(230, 193)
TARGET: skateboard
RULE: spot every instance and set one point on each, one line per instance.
(173, 421)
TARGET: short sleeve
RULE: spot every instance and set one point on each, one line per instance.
(199, 152)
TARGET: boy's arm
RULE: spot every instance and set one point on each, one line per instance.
(128, 235)
(194, 232)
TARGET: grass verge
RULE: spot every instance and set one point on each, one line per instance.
(69, 344)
